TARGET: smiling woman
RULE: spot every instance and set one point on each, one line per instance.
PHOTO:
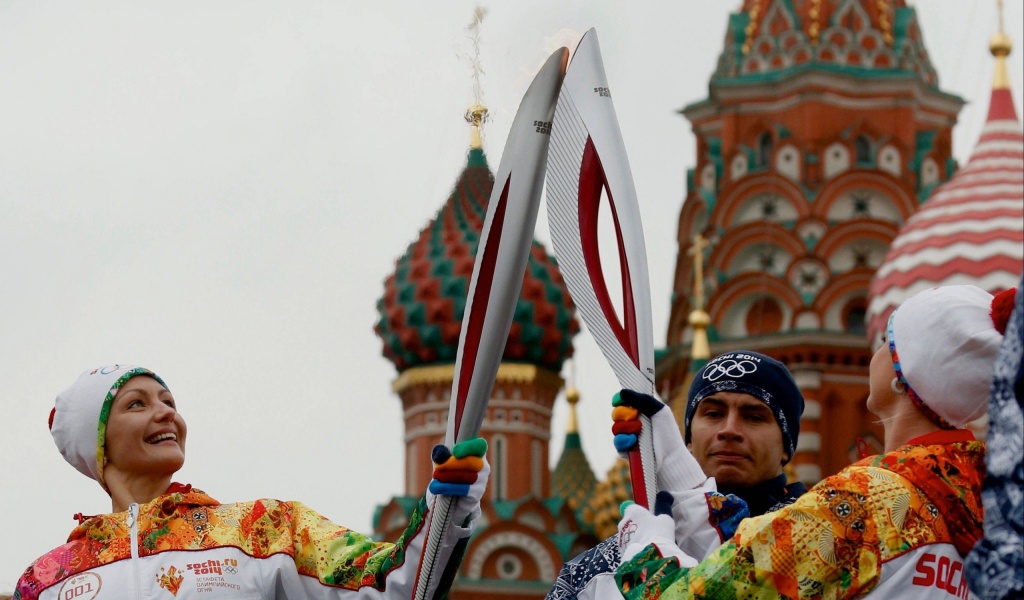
(120, 426)
(145, 442)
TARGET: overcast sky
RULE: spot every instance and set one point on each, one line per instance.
(218, 190)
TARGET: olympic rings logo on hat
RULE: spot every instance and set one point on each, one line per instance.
(729, 368)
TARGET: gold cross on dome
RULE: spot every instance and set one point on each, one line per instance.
(697, 246)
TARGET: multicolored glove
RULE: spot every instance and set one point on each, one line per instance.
(640, 528)
(461, 471)
(677, 469)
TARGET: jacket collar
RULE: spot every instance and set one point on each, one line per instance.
(765, 496)
(166, 504)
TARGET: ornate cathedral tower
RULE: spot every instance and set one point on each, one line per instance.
(526, 531)
(823, 131)
(420, 321)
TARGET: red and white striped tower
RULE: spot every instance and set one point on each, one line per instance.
(971, 230)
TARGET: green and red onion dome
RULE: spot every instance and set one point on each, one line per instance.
(420, 313)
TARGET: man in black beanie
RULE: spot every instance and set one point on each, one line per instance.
(742, 422)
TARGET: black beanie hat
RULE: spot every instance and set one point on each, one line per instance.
(763, 377)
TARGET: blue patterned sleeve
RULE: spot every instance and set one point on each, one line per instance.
(995, 567)
(579, 571)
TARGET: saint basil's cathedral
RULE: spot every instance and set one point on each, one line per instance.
(824, 194)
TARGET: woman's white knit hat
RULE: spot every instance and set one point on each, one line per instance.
(943, 343)
(78, 421)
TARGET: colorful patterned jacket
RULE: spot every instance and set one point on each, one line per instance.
(186, 545)
(897, 525)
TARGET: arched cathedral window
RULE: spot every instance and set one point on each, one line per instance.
(862, 149)
(764, 149)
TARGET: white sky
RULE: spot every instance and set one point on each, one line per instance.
(218, 190)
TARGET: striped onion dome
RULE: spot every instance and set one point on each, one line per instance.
(971, 231)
